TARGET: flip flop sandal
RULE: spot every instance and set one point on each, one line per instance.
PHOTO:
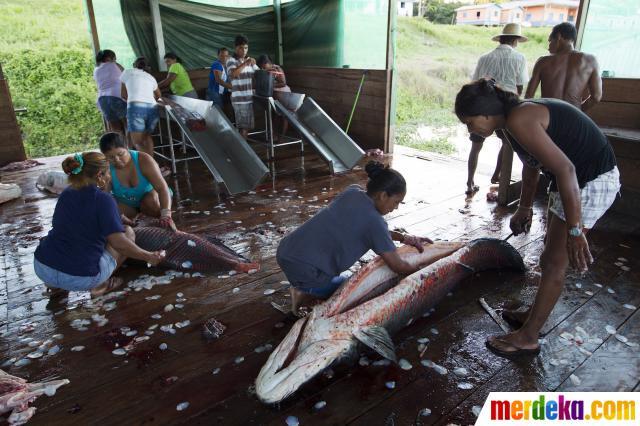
(514, 322)
(517, 353)
(473, 190)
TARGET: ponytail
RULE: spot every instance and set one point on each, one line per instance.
(83, 168)
(384, 178)
(484, 97)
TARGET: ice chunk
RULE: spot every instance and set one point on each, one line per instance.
(182, 406)
(404, 364)
(610, 329)
(292, 421)
(390, 385)
(465, 385)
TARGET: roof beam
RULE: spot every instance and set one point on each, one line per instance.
(158, 35)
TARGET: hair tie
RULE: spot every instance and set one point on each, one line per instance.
(78, 158)
(492, 83)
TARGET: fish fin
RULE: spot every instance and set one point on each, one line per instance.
(467, 267)
(378, 339)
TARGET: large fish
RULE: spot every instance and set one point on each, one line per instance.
(191, 252)
(362, 312)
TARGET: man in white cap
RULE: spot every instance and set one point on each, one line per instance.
(509, 69)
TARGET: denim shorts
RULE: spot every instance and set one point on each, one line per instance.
(113, 108)
(215, 97)
(142, 117)
(54, 278)
(309, 279)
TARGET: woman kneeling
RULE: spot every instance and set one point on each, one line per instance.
(136, 181)
(87, 242)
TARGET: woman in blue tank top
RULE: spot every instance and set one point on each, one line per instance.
(136, 181)
(554, 137)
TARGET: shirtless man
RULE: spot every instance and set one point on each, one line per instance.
(567, 74)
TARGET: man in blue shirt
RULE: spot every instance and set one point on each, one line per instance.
(218, 78)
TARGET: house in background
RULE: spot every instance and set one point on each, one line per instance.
(532, 13)
(511, 13)
(405, 8)
(478, 14)
(541, 13)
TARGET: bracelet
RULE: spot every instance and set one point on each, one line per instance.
(165, 213)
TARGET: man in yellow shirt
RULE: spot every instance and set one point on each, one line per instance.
(177, 78)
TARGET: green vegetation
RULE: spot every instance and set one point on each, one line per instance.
(46, 57)
(433, 62)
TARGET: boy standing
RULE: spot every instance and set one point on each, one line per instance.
(218, 78)
(241, 68)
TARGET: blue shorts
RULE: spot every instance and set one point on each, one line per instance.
(113, 108)
(54, 278)
(142, 117)
(215, 97)
(309, 279)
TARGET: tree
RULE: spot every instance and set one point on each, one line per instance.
(440, 13)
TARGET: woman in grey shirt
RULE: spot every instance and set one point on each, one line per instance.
(313, 256)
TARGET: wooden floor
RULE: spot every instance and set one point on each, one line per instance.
(216, 378)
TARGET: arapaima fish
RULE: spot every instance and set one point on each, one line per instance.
(191, 252)
(369, 308)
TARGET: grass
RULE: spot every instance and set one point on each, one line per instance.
(433, 62)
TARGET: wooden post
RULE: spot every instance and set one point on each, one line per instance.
(390, 109)
(11, 147)
(158, 35)
(278, 13)
(95, 42)
(581, 20)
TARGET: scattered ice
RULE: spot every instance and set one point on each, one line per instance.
(588, 293)
(621, 338)
(77, 348)
(390, 385)
(168, 328)
(582, 331)
(53, 350)
(182, 406)
(191, 243)
(269, 291)
(119, 352)
(584, 351)
(235, 290)
(252, 271)
(183, 324)
(622, 259)
(35, 355)
(320, 405)
(154, 297)
(564, 361)
(625, 268)
(179, 294)
(57, 336)
(578, 285)
(163, 346)
(460, 371)
(598, 285)
(215, 371)
(142, 338)
(476, 409)
(131, 333)
(610, 329)
(596, 340)
(425, 412)
(22, 362)
(187, 264)
(179, 306)
(404, 364)
(292, 421)
(423, 340)
(465, 385)
(168, 308)
(575, 380)
(439, 369)
(239, 360)
(631, 344)
(434, 331)
(156, 316)
(628, 306)
(610, 290)
(554, 362)
(381, 363)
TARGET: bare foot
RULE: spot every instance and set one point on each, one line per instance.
(246, 267)
(471, 189)
(109, 285)
(297, 299)
(495, 178)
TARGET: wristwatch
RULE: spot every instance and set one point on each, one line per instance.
(575, 231)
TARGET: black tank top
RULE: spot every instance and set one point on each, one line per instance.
(578, 137)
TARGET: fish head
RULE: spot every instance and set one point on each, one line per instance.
(312, 345)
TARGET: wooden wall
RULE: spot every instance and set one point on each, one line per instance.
(334, 89)
(11, 147)
(618, 114)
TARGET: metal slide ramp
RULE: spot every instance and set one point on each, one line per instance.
(228, 156)
(331, 142)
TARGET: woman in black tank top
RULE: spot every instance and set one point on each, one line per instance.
(559, 139)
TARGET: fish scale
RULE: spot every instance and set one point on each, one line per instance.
(205, 256)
